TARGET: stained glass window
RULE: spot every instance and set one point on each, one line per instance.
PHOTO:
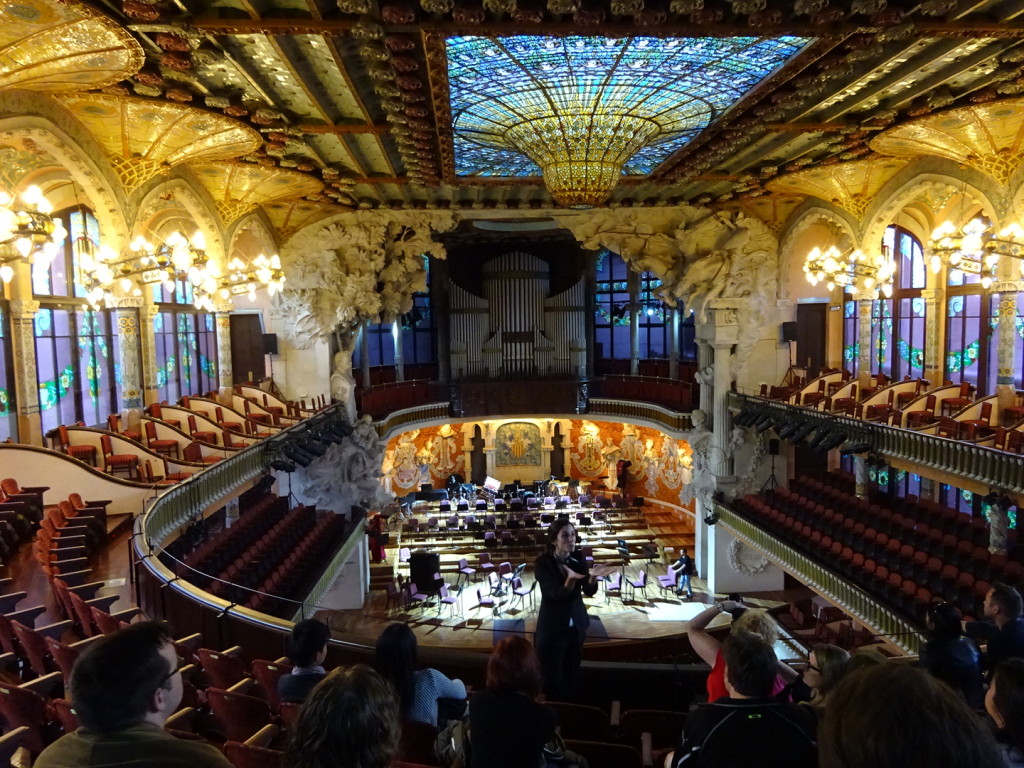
(965, 342)
(611, 305)
(851, 324)
(417, 333)
(55, 366)
(898, 324)
(186, 353)
(676, 87)
(60, 277)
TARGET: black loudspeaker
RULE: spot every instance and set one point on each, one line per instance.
(269, 343)
(422, 567)
(773, 447)
(789, 331)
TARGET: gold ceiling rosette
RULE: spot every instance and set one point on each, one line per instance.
(46, 45)
(987, 137)
(851, 186)
(146, 137)
(237, 188)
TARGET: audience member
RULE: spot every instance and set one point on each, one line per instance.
(124, 687)
(350, 720)
(710, 649)
(1004, 703)
(750, 726)
(513, 685)
(897, 716)
(419, 691)
(1004, 634)
(950, 656)
(307, 649)
(562, 622)
(826, 666)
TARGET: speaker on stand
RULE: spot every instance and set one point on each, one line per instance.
(773, 450)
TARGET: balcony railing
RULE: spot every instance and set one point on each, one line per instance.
(639, 411)
(981, 464)
(854, 601)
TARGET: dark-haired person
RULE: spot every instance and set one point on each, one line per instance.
(1004, 632)
(950, 656)
(562, 621)
(826, 666)
(1004, 703)
(749, 727)
(307, 649)
(894, 715)
(350, 720)
(507, 727)
(419, 690)
(124, 688)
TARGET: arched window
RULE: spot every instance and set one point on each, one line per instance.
(972, 320)
(612, 300)
(898, 323)
(77, 356)
(186, 343)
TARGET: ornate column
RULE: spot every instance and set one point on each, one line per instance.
(704, 354)
(147, 315)
(719, 333)
(1005, 388)
(26, 384)
(934, 367)
(222, 319)
(864, 303)
(128, 350)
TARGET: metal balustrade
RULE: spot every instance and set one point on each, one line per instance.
(981, 464)
(853, 601)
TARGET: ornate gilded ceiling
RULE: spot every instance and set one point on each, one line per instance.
(237, 188)
(354, 95)
(851, 186)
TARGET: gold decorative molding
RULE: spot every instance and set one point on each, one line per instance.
(48, 45)
(851, 186)
(237, 188)
(986, 137)
(144, 137)
(289, 216)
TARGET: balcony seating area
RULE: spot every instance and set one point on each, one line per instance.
(382, 399)
(673, 394)
(267, 553)
(906, 553)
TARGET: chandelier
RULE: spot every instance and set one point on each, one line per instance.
(976, 248)
(28, 232)
(851, 269)
(176, 258)
(263, 272)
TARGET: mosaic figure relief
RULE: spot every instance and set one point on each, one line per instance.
(588, 456)
(445, 457)
(517, 444)
(406, 471)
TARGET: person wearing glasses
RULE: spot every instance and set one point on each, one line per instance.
(124, 687)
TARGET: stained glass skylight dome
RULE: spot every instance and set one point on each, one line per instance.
(584, 110)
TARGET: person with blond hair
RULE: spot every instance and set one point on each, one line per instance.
(751, 620)
(350, 720)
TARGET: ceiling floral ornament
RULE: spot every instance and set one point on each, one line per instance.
(145, 137)
(988, 137)
(47, 45)
(851, 186)
(237, 188)
(356, 267)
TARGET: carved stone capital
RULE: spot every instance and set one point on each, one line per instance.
(126, 302)
(1008, 286)
(24, 308)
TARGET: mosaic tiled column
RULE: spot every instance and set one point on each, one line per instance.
(127, 309)
(1007, 333)
(934, 368)
(26, 384)
(225, 373)
(864, 303)
(147, 337)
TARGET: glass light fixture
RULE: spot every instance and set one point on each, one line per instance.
(865, 273)
(976, 248)
(28, 231)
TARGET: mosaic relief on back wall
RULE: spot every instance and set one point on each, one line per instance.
(517, 445)
(661, 467)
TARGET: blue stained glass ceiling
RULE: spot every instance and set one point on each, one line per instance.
(661, 92)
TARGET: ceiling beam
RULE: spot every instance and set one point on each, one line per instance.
(340, 129)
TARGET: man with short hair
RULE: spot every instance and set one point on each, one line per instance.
(684, 568)
(748, 727)
(124, 687)
(307, 649)
(1004, 633)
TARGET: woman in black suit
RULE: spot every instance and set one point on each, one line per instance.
(562, 623)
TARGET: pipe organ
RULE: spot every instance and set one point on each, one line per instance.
(516, 330)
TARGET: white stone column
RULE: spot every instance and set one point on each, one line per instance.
(396, 336)
(935, 316)
(129, 351)
(704, 357)
(864, 303)
(672, 321)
